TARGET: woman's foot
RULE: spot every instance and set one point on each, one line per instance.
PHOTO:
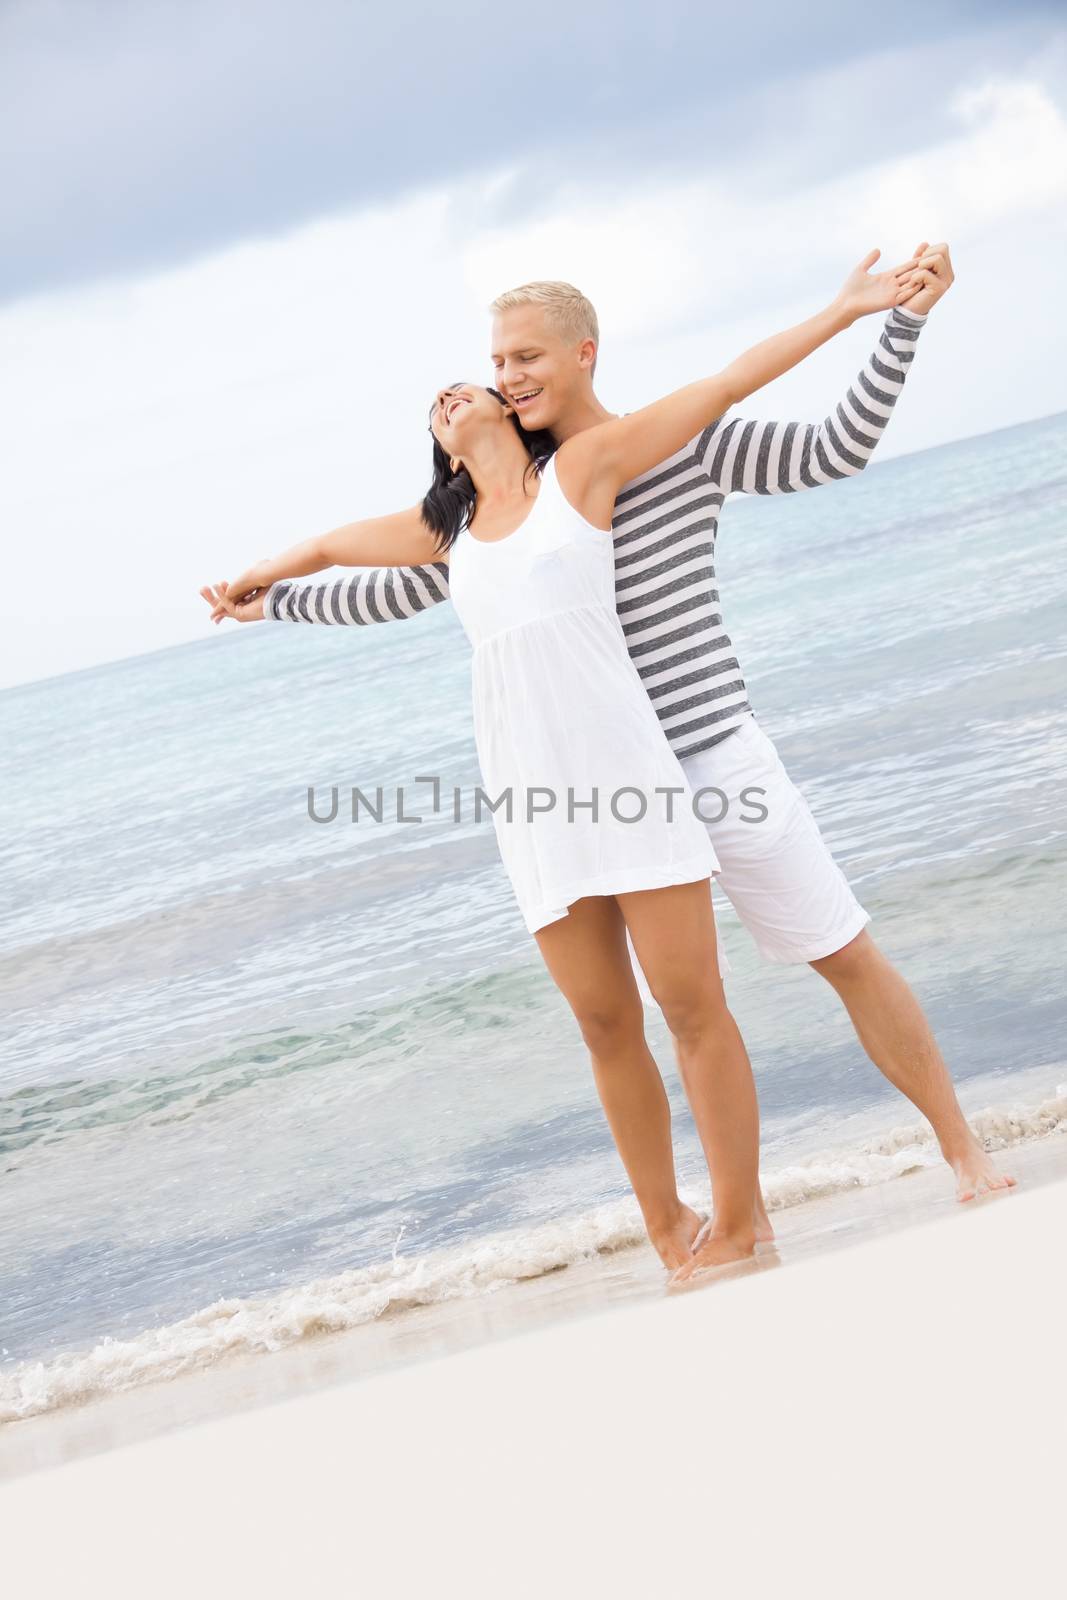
(760, 1220)
(764, 1231)
(715, 1250)
(673, 1242)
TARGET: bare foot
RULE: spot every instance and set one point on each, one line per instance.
(760, 1221)
(976, 1173)
(674, 1243)
(715, 1250)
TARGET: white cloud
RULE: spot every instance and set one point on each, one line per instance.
(164, 432)
(662, 257)
(1011, 159)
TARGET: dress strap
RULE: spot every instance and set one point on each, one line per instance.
(550, 477)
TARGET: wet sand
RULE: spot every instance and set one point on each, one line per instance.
(875, 1421)
(631, 1277)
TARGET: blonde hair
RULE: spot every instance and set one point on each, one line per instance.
(566, 309)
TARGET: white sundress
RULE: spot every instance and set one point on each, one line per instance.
(560, 709)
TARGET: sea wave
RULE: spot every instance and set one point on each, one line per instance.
(346, 1300)
(37, 1112)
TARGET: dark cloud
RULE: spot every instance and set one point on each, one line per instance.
(141, 133)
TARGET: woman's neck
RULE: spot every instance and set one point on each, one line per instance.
(499, 471)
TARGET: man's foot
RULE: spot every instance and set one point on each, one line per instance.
(976, 1173)
(716, 1250)
(674, 1243)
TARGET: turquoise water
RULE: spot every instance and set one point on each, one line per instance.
(242, 1050)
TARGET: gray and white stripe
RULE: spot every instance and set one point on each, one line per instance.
(665, 526)
(779, 457)
(376, 594)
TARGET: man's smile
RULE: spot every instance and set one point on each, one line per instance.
(525, 397)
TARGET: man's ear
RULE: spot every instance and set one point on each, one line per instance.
(587, 353)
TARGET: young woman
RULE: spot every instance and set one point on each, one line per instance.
(597, 831)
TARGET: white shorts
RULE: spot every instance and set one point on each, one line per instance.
(776, 868)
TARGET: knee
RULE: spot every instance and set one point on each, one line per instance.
(610, 1027)
(852, 962)
(691, 1010)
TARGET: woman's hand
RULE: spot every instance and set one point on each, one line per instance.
(250, 581)
(864, 291)
(401, 539)
(249, 609)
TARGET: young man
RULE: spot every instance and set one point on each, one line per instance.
(780, 876)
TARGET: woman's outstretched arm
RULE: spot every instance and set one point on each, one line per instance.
(598, 461)
(758, 457)
(401, 539)
(743, 454)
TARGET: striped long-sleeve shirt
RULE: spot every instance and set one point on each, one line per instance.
(664, 529)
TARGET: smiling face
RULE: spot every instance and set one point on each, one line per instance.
(460, 411)
(537, 370)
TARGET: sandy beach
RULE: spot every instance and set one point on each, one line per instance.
(869, 1417)
(143, 1404)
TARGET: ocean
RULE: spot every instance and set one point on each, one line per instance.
(264, 1075)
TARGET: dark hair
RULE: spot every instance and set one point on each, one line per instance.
(449, 504)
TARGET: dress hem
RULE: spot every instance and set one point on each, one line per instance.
(637, 878)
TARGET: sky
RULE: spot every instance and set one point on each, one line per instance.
(242, 244)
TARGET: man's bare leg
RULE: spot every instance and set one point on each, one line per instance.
(586, 954)
(894, 1032)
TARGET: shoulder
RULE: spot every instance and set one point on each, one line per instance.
(581, 460)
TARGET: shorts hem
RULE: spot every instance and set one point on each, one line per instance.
(820, 948)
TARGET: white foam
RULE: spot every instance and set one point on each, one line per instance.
(907, 1149)
(328, 1305)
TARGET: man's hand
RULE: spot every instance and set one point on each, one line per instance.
(864, 291)
(248, 609)
(931, 277)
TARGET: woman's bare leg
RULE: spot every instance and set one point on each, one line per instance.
(586, 954)
(673, 932)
